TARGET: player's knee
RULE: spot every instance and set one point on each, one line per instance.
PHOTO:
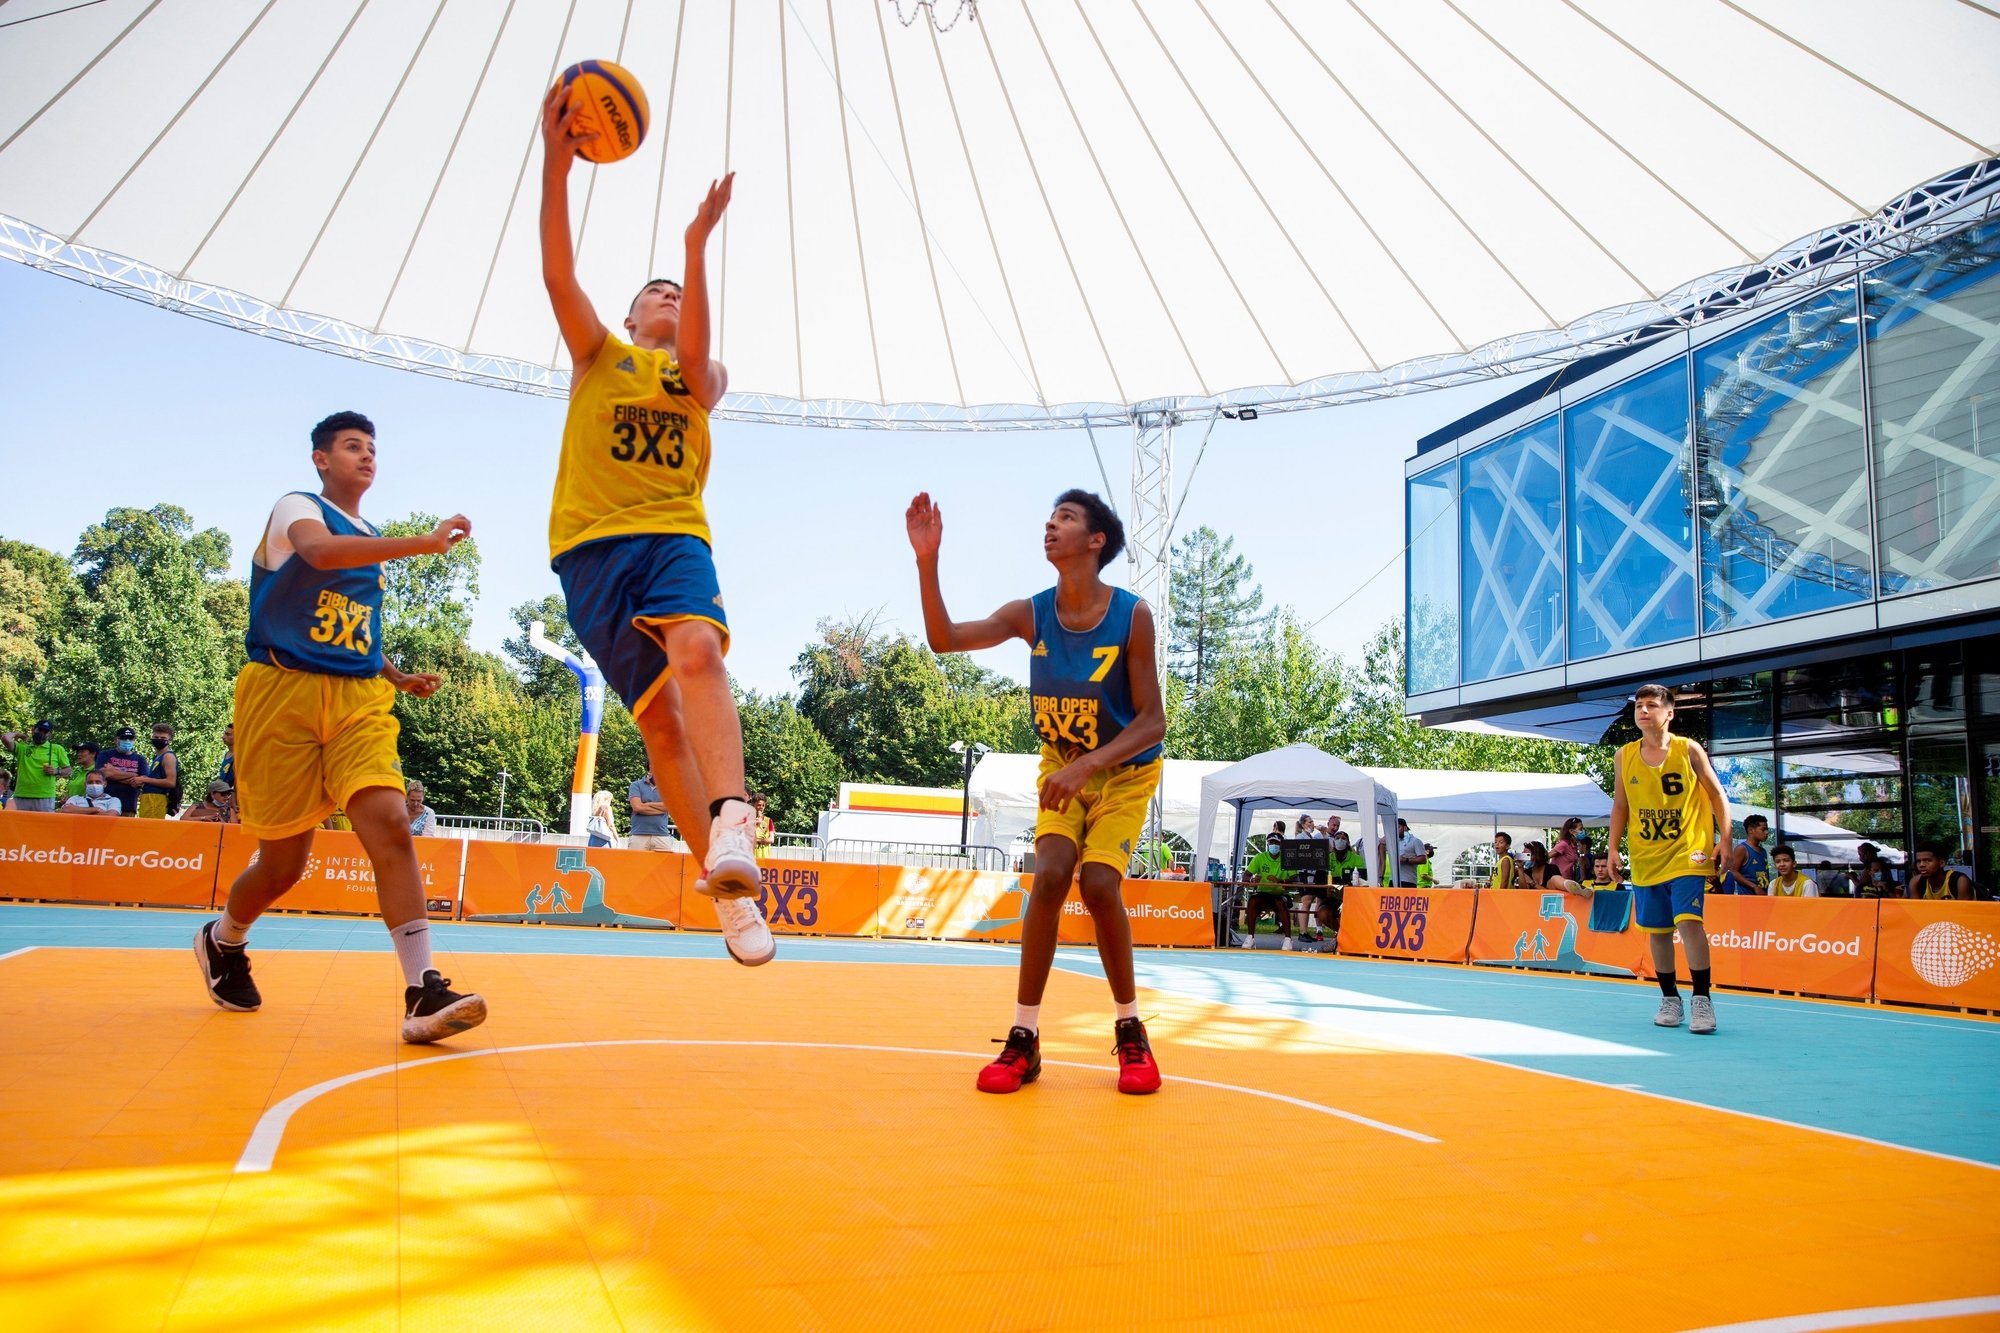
(1099, 885)
(696, 653)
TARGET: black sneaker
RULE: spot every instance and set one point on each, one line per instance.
(434, 1010)
(226, 972)
(1019, 1062)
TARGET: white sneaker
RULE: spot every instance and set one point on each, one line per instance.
(744, 933)
(1701, 1015)
(731, 871)
(1670, 1012)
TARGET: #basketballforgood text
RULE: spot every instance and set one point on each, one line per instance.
(1074, 907)
(1778, 942)
(150, 859)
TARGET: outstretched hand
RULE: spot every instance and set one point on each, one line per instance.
(560, 137)
(712, 207)
(421, 684)
(925, 522)
(450, 532)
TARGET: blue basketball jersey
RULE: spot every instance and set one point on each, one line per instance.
(1078, 679)
(1756, 867)
(323, 620)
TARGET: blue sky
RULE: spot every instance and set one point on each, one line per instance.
(105, 401)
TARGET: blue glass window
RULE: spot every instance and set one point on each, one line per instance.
(1934, 383)
(1511, 571)
(1631, 573)
(1783, 466)
(1431, 617)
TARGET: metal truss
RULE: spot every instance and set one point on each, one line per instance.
(1149, 527)
(1951, 201)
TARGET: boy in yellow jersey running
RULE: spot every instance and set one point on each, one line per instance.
(1666, 792)
(1098, 712)
(628, 534)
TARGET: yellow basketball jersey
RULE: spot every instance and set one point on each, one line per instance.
(634, 451)
(1796, 888)
(1671, 828)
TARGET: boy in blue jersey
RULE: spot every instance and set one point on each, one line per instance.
(1097, 709)
(313, 709)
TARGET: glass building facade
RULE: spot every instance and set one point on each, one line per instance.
(1722, 512)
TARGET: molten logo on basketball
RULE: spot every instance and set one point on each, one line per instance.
(619, 124)
(1946, 954)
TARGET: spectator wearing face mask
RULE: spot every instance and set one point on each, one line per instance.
(41, 767)
(83, 759)
(1567, 854)
(1266, 871)
(122, 768)
(1344, 862)
(218, 807)
(94, 799)
(160, 784)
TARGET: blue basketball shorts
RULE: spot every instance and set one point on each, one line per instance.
(624, 591)
(1657, 908)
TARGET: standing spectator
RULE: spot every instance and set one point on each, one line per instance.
(762, 831)
(225, 772)
(122, 768)
(6, 790)
(1409, 854)
(218, 807)
(160, 784)
(423, 819)
(1505, 867)
(600, 831)
(1345, 864)
(41, 768)
(1426, 873)
(1567, 855)
(94, 800)
(1749, 870)
(1790, 881)
(651, 830)
(82, 761)
(1936, 881)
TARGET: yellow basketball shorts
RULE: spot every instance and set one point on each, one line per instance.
(1107, 817)
(306, 743)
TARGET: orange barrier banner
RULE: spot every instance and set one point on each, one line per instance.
(1545, 929)
(801, 898)
(93, 859)
(573, 886)
(339, 876)
(1408, 923)
(934, 904)
(1814, 946)
(1939, 953)
(1178, 913)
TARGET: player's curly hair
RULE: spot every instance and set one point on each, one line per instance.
(323, 433)
(1098, 516)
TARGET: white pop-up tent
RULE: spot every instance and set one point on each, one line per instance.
(1004, 791)
(1297, 777)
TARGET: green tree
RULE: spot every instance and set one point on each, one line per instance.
(1216, 610)
(139, 538)
(427, 600)
(37, 597)
(786, 758)
(1278, 691)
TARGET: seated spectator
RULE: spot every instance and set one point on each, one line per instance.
(1506, 870)
(122, 768)
(1935, 881)
(217, 807)
(83, 759)
(763, 832)
(41, 767)
(6, 790)
(1267, 873)
(1345, 863)
(1834, 883)
(423, 819)
(1790, 881)
(95, 800)
(600, 831)
(338, 822)
(1600, 876)
(1541, 872)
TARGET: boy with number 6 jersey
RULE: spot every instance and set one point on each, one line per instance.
(1097, 709)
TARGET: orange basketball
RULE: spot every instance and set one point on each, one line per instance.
(611, 104)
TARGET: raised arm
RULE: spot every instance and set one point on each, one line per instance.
(323, 550)
(1015, 620)
(706, 379)
(582, 331)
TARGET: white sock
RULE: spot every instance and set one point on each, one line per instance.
(229, 932)
(1127, 1009)
(1028, 1016)
(413, 949)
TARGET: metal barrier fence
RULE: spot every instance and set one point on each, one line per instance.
(925, 855)
(483, 828)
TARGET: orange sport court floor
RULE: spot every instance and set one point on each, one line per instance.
(645, 1135)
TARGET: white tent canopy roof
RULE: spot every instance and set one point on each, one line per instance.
(1297, 777)
(1531, 800)
(1045, 212)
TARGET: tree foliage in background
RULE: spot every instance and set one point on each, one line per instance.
(1215, 611)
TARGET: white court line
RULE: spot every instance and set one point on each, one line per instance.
(262, 1147)
(1880, 1314)
(18, 952)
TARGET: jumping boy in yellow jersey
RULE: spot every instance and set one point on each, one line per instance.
(1667, 792)
(628, 534)
(1098, 712)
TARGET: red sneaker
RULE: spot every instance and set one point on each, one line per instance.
(1137, 1073)
(1020, 1062)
